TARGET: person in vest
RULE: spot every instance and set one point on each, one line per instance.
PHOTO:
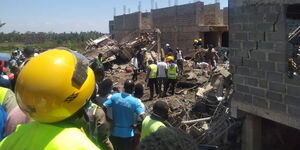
(151, 77)
(172, 78)
(7, 99)
(53, 89)
(156, 120)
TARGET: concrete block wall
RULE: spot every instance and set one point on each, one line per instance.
(212, 14)
(258, 41)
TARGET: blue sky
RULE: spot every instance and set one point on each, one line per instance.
(70, 15)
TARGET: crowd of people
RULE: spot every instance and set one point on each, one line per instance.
(57, 102)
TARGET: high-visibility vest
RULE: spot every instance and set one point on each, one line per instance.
(41, 136)
(150, 126)
(99, 61)
(3, 92)
(153, 71)
(172, 72)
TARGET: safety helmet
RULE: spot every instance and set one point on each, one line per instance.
(200, 39)
(167, 45)
(195, 41)
(54, 85)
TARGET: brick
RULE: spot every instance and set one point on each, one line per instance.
(278, 107)
(272, 96)
(256, 36)
(265, 45)
(291, 100)
(251, 81)
(259, 102)
(246, 98)
(235, 44)
(276, 36)
(241, 36)
(267, 66)
(293, 90)
(277, 87)
(242, 88)
(295, 111)
(236, 60)
(257, 73)
(249, 27)
(264, 27)
(249, 45)
(258, 92)
(243, 70)
(277, 57)
(250, 63)
(281, 67)
(238, 78)
(235, 27)
(274, 76)
(263, 84)
(258, 55)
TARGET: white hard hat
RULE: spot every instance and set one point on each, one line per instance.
(167, 45)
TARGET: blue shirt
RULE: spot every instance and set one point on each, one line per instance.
(124, 107)
(4, 83)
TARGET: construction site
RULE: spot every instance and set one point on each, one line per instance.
(239, 89)
(248, 102)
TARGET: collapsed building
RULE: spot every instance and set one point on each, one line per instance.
(264, 95)
(179, 25)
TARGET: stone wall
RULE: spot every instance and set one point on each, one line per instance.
(258, 42)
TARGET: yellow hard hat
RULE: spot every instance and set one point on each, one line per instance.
(169, 58)
(200, 39)
(195, 41)
(54, 85)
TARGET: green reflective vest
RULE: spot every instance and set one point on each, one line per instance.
(40, 136)
(150, 126)
(99, 61)
(172, 72)
(153, 71)
(3, 92)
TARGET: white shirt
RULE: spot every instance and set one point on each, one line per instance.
(161, 68)
(179, 55)
(134, 62)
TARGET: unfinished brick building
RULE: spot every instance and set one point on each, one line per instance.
(264, 94)
(179, 25)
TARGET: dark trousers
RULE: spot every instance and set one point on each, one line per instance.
(135, 74)
(122, 143)
(170, 83)
(161, 83)
(151, 84)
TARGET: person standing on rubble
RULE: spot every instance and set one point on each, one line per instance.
(124, 107)
(199, 43)
(195, 44)
(172, 78)
(169, 50)
(67, 96)
(211, 57)
(151, 77)
(179, 58)
(135, 66)
(161, 76)
(157, 119)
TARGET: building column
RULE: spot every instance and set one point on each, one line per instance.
(219, 38)
(251, 133)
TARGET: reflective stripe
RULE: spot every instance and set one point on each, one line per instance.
(172, 72)
(3, 92)
(153, 71)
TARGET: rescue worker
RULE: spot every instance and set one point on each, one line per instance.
(53, 89)
(211, 57)
(195, 44)
(199, 43)
(135, 66)
(124, 106)
(169, 50)
(172, 78)
(7, 99)
(151, 77)
(161, 76)
(157, 119)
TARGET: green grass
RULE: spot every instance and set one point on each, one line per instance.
(10, 46)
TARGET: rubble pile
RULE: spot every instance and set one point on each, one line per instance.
(200, 105)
